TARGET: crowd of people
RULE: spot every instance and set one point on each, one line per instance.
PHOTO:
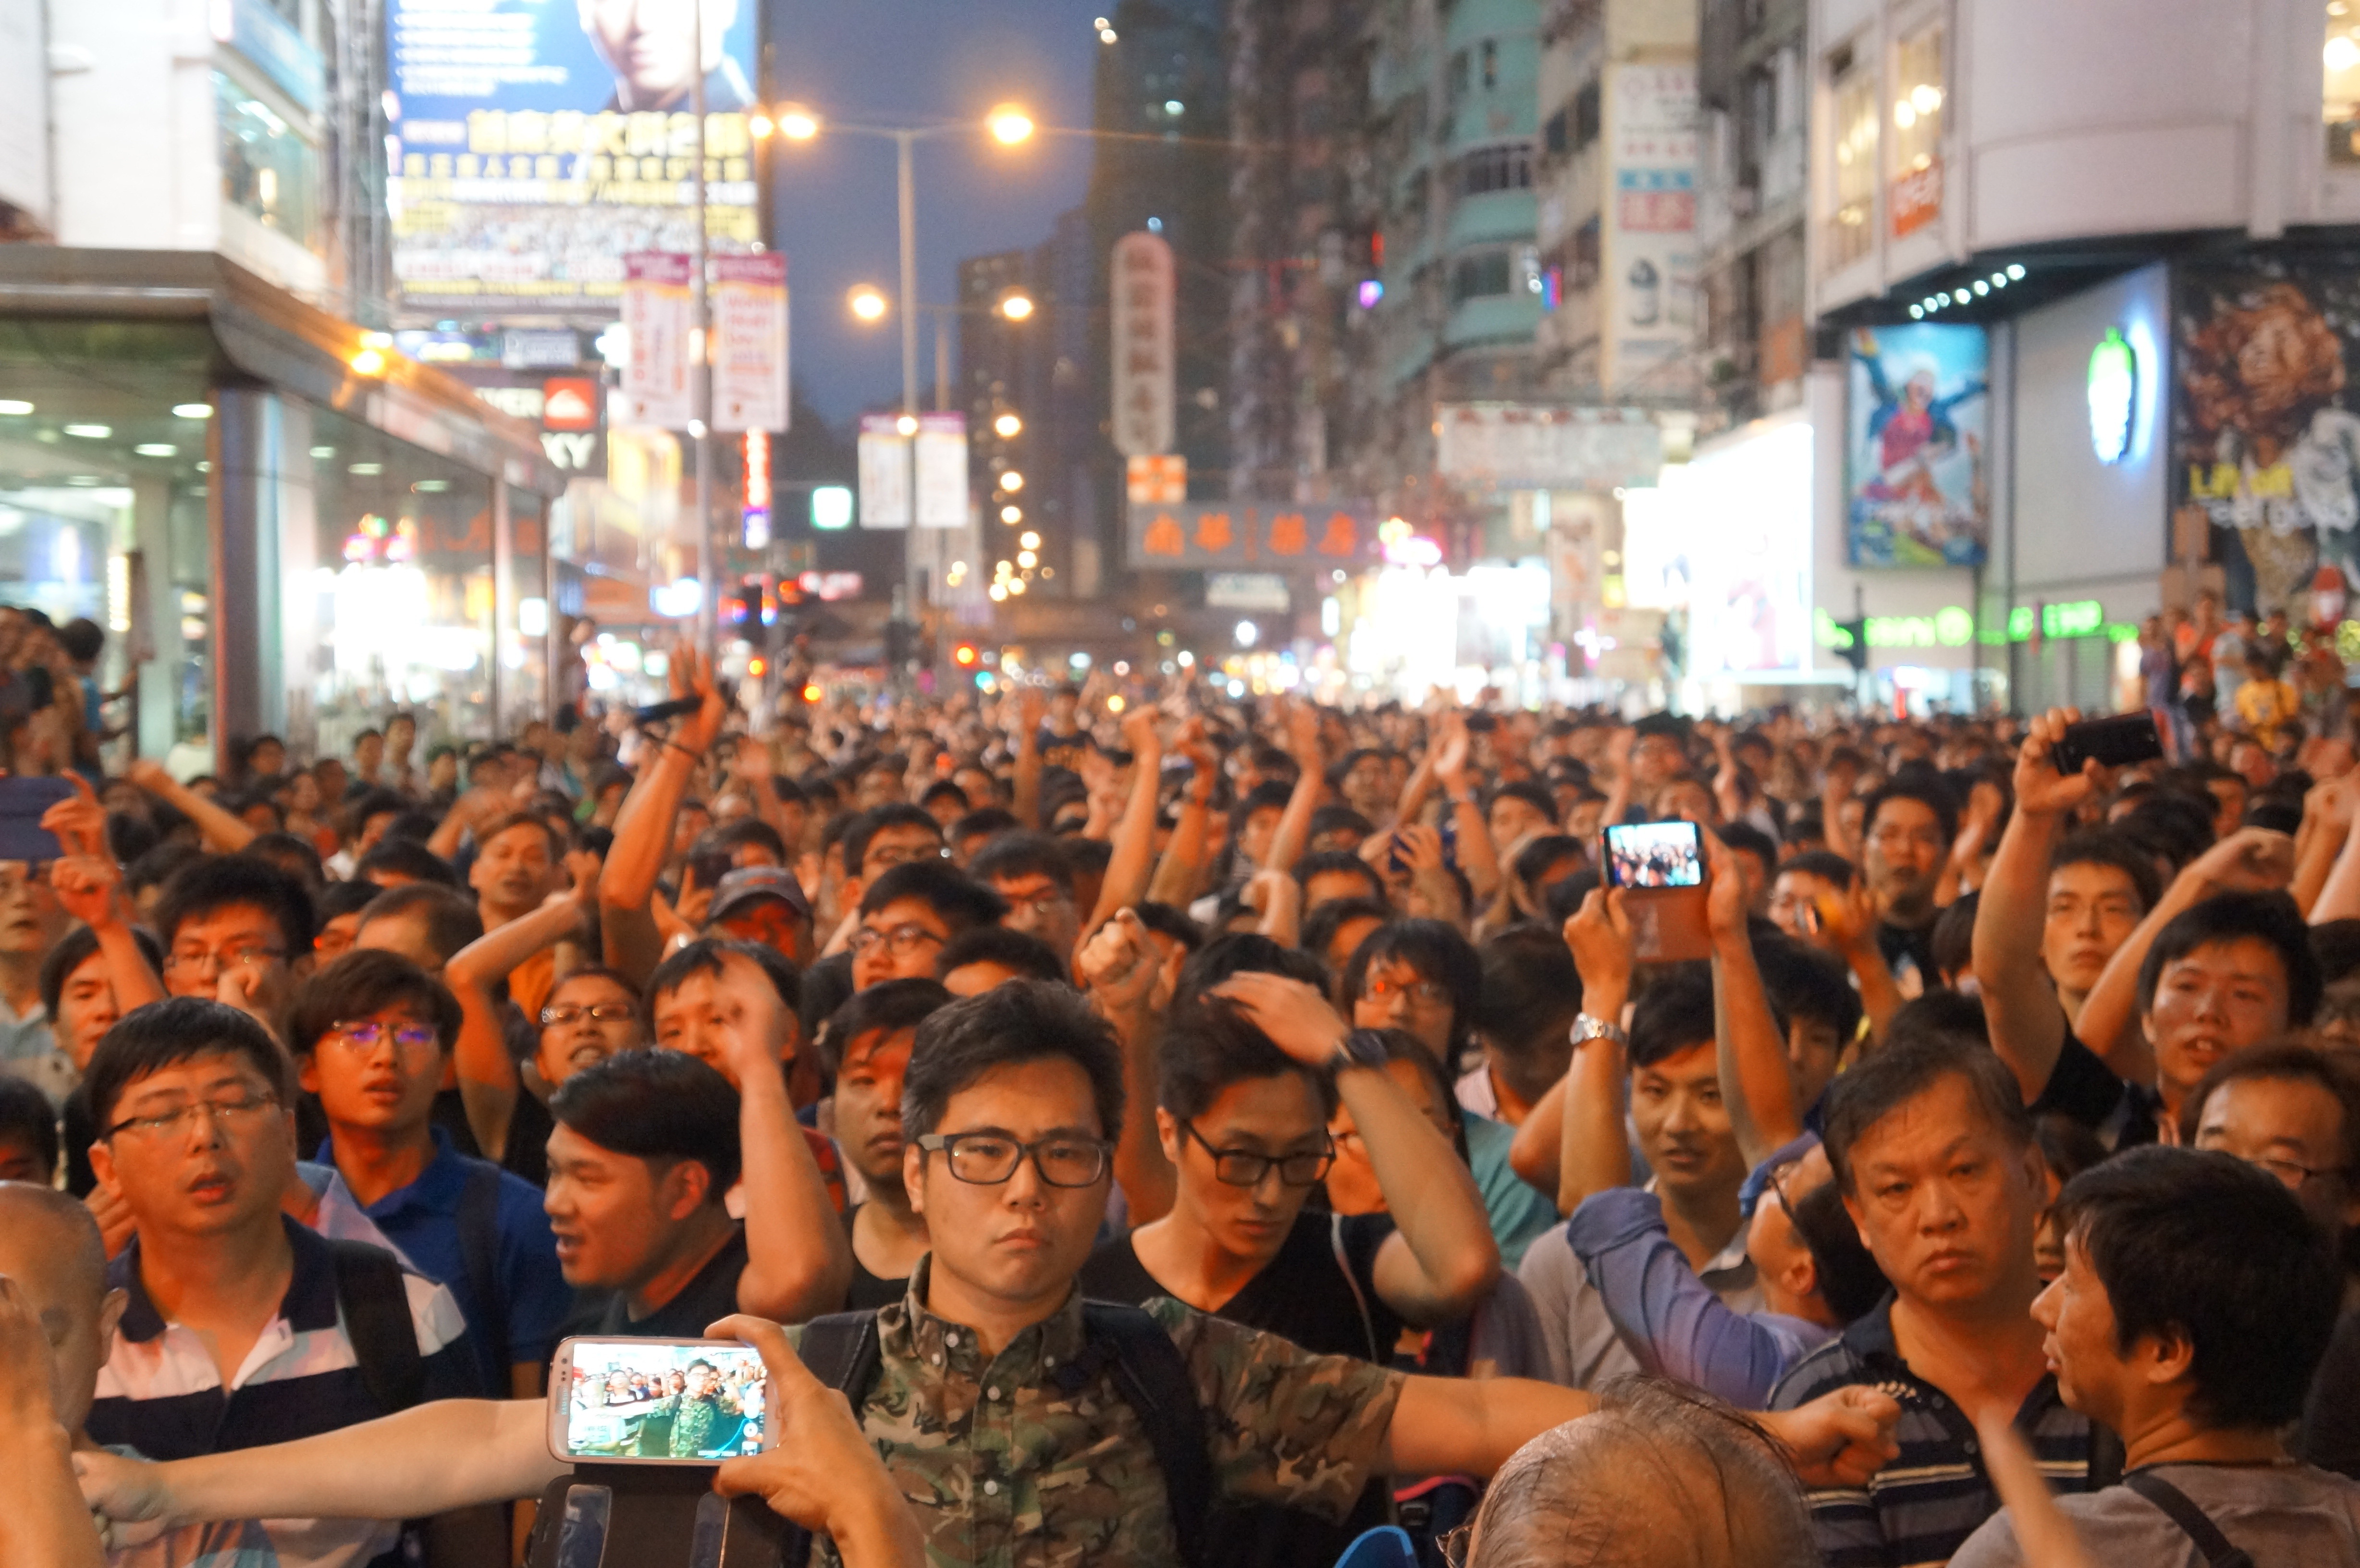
(1190, 1130)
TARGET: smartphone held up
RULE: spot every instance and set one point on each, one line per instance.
(656, 1401)
(1660, 868)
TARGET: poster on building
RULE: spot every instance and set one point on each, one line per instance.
(1916, 446)
(749, 342)
(1144, 349)
(1744, 513)
(531, 146)
(884, 472)
(943, 500)
(1650, 255)
(2265, 439)
(657, 307)
(1532, 446)
(1225, 535)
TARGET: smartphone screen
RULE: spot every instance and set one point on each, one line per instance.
(22, 803)
(670, 1401)
(1655, 855)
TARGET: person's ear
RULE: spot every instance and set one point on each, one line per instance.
(1167, 1133)
(914, 1175)
(102, 1165)
(110, 1312)
(307, 1072)
(685, 1188)
(2163, 1357)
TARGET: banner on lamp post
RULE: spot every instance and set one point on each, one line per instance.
(941, 471)
(749, 330)
(657, 310)
(884, 472)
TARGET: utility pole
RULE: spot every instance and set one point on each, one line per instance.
(700, 421)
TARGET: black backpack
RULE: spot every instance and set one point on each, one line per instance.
(1149, 1372)
(377, 1303)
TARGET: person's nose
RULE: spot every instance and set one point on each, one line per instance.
(1939, 1211)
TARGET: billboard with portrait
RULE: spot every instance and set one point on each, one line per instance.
(534, 143)
(1917, 486)
(2265, 440)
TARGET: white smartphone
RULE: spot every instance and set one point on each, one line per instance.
(656, 1401)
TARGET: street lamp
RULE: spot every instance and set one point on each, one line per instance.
(1016, 307)
(1011, 482)
(867, 303)
(1008, 426)
(1010, 125)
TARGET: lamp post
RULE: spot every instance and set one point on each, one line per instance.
(1009, 126)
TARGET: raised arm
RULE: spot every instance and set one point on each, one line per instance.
(2028, 1022)
(1619, 746)
(222, 829)
(1118, 969)
(2339, 891)
(1295, 823)
(488, 1080)
(798, 1255)
(1478, 856)
(90, 889)
(1594, 1153)
(643, 829)
(1756, 1083)
(1133, 853)
(1031, 708)
(1441, 1258)
(1845, 923)
(1182, 869)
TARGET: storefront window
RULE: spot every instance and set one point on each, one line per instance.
(524, 637)
(1918, 96)
(268, 171)
(2339, 101)
(401, 612)
(1849, 234)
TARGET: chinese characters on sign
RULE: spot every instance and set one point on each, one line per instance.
(1158, 481)
(656, 310)
(1651, 257)
(1143, 346)
(1524, 446)
(750, 331)
(1221, 534)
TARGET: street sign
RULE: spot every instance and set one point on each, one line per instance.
(656, 308)
(941, 471)
(750, 331)
(1144, 351)
(884, 472)
(1158, 481)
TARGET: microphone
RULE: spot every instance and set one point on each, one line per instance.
(656, 712)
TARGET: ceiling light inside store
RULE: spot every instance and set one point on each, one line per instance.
(156, 448)
(324, 451)
(2015, 271)
(81, 479)
(14, 405)
(192, 410)
(431, 487)
(91, 432)
(366, 470)
(2342, 53)
(1917, 312)
(1982, 286)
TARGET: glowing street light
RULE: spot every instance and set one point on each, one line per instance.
(1017, 307)
(1011, 482)
(1011, 515)
(797, 123)
(1007, 426)
(1010, 125)
(1031, 540)
(867, 303)
(907, 424)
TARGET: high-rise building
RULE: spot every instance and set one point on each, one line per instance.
(1754, 95)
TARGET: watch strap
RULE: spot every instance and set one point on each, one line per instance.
(1587, 1027)
(1363, 1048)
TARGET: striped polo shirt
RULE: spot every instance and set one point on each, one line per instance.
(1921, 1507)
(160, 1394)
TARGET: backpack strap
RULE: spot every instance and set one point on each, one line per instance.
(841, 1351)
(376, 1304)
(1153, 1379)
(1379, 1355)
(2193, 1521)
(480, 1255)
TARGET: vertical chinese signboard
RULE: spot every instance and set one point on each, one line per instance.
(656, 310)
(1144, 346)
(750, 331)
(1650, 253)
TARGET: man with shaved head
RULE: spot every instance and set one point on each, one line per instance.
(53, 1273)
(1662, 1477)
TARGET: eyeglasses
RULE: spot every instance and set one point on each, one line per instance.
(227, 1113)
(1039, 903)
(1421, 992)
(901, 942)
(1904, 838)
(365, 1035)
(248, 955)
(2296, 1176)
(1244, 1168)
(602, 1012)
(1454, 1543)
(886, 855)
(988, 1158)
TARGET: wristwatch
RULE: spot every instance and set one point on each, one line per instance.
(1587, 1029)
(1361, 1048)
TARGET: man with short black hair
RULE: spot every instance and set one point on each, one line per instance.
(908, 914)
(234, 913)
(868, 1044)
(424, 922)
(1034, 873)
(242, 1327)
(1934, 1155)
(1906, 832)
(371, 1035)
(983, 956)
(2197, 1299)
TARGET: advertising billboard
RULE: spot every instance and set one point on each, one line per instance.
(532, 145)
(1744, 513)
(1650, 225)
(1916, 445)
(2265, 440)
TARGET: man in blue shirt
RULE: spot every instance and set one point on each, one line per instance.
(371, 1033)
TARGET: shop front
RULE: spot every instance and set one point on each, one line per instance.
(284, 526)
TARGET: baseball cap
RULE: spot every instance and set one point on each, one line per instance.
(750, 885)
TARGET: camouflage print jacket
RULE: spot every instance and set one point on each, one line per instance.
(1004, 1471)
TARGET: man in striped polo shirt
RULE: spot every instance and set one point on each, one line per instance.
(238, 1328)
(1933, 1149)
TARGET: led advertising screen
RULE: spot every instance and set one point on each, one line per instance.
(534, 143)
(1745, 516)
(1916, 442)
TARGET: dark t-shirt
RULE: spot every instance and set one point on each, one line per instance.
(1917, 945)
(869, 1291)
(2086, 1090)
(2330, 1418)
(710, 1296)
(1304, 1295)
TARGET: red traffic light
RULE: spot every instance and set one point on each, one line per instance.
(966, 656)
(758, 665)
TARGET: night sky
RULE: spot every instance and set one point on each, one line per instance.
(917, 62)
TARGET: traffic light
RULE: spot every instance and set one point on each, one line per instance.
(966, 656)
(1853, 644)
(758, 667)
(742, 607)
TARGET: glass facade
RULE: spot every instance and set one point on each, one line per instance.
(1850, 228)
(268, 171)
